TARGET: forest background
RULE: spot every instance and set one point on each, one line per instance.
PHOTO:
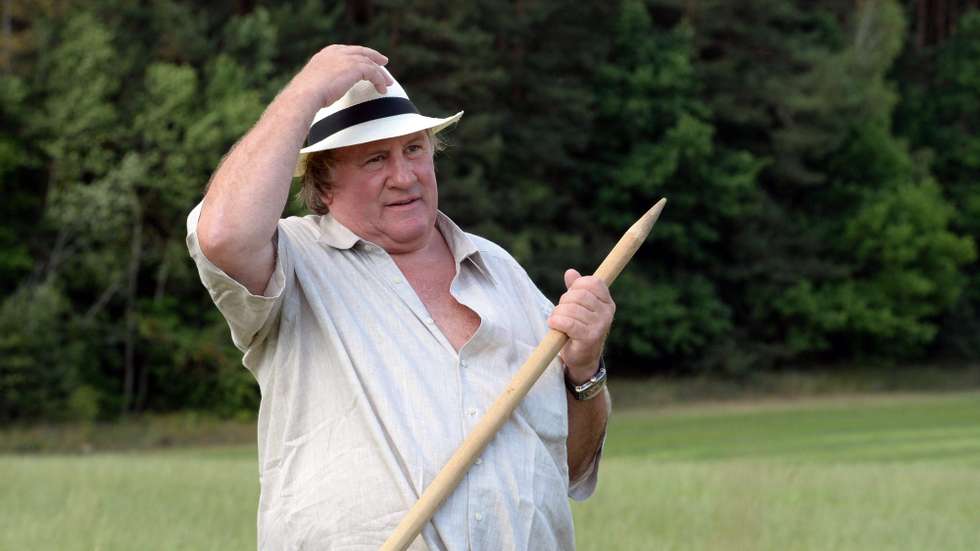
(820, 160)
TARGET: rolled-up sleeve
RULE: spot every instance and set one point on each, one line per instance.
(249, 316)
(584, 486)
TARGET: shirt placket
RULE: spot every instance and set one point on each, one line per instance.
(471, 364)
(477, 484)
(394, 279)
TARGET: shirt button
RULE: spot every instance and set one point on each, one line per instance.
(471, 412)
(462, 363)
(479, 460)
(478, 516)
(430, 321)
(396, 280)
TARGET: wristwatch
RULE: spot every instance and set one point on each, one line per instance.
(591, 388)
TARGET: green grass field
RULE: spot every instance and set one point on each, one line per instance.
(898, 472)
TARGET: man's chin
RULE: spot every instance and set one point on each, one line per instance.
(409, 236)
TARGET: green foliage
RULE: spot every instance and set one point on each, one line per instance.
(192, 366)
(19, 204)
(679, 319)
(83, 403)
(79, 77)
(906, 270)
(852, 252)
(41, 356)
(940, 113)
(799, 226)
(116, 199)
(654, 139)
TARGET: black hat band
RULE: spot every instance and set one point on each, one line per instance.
(357, 114)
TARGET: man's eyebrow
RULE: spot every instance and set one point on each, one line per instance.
(413, 139)
(371, 153)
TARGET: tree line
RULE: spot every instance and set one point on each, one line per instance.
(819, 162)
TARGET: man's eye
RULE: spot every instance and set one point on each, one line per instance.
(374, 161)
(414, 149)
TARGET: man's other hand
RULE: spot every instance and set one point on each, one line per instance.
(584, 313)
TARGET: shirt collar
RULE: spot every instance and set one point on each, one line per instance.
(338, 236)
(335, 234)
(461, 246)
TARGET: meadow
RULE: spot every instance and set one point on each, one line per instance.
(859, 472)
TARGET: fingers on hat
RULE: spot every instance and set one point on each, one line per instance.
(376, 76)
(371, 54)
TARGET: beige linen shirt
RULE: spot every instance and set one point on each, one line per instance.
(364, 399)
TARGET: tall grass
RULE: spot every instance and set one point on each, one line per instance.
(845, 473)
(189, 499)
(852, 473)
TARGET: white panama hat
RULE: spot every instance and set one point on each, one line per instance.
(363, 115)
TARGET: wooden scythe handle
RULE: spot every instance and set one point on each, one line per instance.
(450, 475)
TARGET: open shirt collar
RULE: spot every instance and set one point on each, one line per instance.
(336, 235)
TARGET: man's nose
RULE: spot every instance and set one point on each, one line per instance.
(401, 172)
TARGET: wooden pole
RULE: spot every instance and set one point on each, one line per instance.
(484, 431)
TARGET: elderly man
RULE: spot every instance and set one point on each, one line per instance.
(379, 332)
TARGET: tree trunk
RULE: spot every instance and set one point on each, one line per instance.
(132, 312)
(142, 389)
(162, 274)
(6, 34)
(935, 20)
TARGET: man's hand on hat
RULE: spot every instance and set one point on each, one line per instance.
(584, 313)
(333, 70)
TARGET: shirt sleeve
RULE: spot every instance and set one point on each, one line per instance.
(583, 487)
(249, 316)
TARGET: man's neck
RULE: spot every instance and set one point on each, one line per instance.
(434, 253)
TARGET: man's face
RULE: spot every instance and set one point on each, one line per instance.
(386, 192)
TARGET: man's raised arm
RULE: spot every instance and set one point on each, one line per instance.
(249, 190)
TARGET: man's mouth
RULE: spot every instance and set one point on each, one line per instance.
(403, 202)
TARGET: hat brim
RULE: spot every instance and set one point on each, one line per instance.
(370, 131)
